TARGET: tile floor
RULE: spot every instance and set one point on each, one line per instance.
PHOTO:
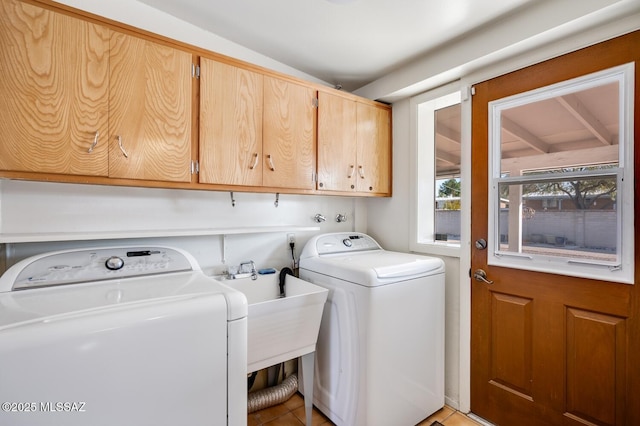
(449, 417)
(291, 413)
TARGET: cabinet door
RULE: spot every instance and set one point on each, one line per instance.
(289, 138)
(230, 124)
(53, 92)
(336, 143)
(149, 110)
(374, 149)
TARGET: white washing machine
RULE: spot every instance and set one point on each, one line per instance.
(120, 336)
(380, 350)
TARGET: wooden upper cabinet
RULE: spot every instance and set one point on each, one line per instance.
(374, 149)
(336, 143)
(354, 146)
(231, 100)
(91, 103)
(53, 92)
(150, 110)
(289, 135)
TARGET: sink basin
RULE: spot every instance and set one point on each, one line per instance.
(280, 329)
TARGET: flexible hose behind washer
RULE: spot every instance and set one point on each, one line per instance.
(274, 395)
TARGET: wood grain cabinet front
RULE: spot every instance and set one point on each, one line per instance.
(77, 98)
(150, 110)
(255, 129)
(230, 124)
(107, 104)
(54, 102)
(336, 143)
(354, 146)
(289, 135)
(373, 149)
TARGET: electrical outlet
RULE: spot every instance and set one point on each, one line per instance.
(291, 238)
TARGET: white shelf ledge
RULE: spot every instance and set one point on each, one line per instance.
(153, 233)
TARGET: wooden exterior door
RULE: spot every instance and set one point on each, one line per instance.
(549, 349)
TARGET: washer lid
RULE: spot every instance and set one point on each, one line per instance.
(373, 268)
(43, 304)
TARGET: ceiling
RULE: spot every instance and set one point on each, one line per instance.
(574, 129)
(342, 42)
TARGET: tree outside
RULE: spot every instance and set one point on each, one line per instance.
(450, 188)
(584, 193)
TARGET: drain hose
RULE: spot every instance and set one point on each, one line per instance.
(274, 395)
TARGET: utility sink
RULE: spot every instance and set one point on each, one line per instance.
(280, 329)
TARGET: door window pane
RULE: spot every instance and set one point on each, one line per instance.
(577, 128)
(575, 219)
(559, 197)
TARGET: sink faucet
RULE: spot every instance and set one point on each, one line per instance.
(254, 273)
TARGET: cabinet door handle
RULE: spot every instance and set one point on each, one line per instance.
(351, 169)
(122, 147)
(361, 171)
(255, 161)
(95, 142)
(271, 166)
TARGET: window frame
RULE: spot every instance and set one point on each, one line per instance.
(423, 203)
(623, 270)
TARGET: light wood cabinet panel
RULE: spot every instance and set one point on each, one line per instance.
(149, 110)
(354, 146)
(289, 135)
(374, 149)
(106, 104)
(231, 101)
(336, 143)
(53, 92)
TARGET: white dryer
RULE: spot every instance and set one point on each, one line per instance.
(380, 350)
(125, 335)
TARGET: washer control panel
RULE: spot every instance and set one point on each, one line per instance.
(345, 243)
(80, 266)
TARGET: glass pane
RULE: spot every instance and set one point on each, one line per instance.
(447, 182)
(573, 129)
(575, 219)
(560, 158)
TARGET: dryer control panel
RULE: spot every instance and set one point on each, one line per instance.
(86, 265)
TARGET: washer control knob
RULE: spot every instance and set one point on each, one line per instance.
(114, 263)
(347, 242)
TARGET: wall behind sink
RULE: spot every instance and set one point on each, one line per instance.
(41, 208)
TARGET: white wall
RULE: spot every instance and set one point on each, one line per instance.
(40, 208)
